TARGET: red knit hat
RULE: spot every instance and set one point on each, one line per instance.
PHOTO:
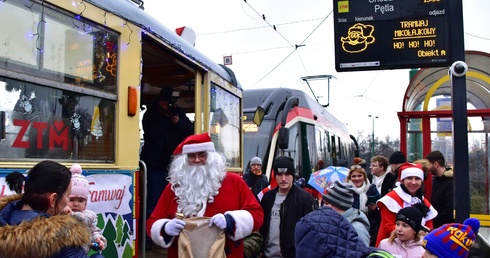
(195, 143)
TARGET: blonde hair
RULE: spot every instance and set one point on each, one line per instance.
(359, 169)
(420, 235)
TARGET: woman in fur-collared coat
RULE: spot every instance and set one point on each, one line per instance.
(30, 224)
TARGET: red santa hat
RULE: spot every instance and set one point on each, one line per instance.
(411, 169)
(195, 143)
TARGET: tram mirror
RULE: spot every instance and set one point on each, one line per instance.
(283, 139)
(259, 115)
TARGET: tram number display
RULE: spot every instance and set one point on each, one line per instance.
(391, 34)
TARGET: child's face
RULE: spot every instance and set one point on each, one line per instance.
(428, 254)
(77, 204)
(404, 232)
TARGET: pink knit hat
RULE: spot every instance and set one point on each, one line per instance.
(79, 185)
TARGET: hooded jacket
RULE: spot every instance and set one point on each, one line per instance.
(325, 233)
(359, 222)
(26, 234)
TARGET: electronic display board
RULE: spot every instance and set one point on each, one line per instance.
(391, 34)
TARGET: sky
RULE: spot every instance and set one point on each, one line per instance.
(263, 57)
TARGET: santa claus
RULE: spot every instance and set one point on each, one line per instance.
(199, 186)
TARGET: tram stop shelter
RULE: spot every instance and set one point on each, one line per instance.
(426, 124)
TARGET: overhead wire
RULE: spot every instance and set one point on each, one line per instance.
(296, 47)
(255, 28)
(476, 36)
(270, 25)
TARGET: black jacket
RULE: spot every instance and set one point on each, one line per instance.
(297, 204)
(255, 183)
(388, 183)
(442, 198)
(162, 136)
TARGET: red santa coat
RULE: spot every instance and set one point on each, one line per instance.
(390, 204)
(234, 198)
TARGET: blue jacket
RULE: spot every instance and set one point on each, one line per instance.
(60, 236)
(325, 233)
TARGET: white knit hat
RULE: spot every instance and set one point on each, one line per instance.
(79, 184)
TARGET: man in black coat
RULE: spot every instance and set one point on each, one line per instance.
(254, 177)
(442, 197)
(283, 207)
(165, 126)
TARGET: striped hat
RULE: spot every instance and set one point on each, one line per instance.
(452, 240)
(340, 195)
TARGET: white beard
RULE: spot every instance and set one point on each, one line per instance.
(196, 185)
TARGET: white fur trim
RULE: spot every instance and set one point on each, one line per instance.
(394, 207)
(390, 204)
(244, 223)
(156, 234)
(412, 172)
(198, 147)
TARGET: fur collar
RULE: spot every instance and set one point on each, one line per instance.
(41, 237)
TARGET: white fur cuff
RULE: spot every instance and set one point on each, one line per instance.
(244, 223)
(156, 233)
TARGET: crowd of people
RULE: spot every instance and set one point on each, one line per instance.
(205, 211)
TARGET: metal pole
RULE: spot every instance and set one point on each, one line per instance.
(372, 142)
(372, 136)
(460, 113)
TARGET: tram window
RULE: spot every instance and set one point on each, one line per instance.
(309, 148)
(327, 158)
(294, 146)
(49, 123)
(62, 48)
(225, 124)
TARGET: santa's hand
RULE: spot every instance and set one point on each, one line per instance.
(218, 220)
(173, 227)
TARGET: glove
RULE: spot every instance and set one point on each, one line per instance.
(218, 220)
(173, 227)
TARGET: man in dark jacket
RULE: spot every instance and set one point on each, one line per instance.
(442, 197)
(165, 126)
(283, 207)
(254, 178)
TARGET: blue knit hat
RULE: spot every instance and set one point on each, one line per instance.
(452, 240)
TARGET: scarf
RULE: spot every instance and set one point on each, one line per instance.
(361, 191)
(257, 173)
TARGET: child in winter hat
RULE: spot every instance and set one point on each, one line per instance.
(78, 204)
(406, 240)
(340, 195)
(451, 240)
(79, 184)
